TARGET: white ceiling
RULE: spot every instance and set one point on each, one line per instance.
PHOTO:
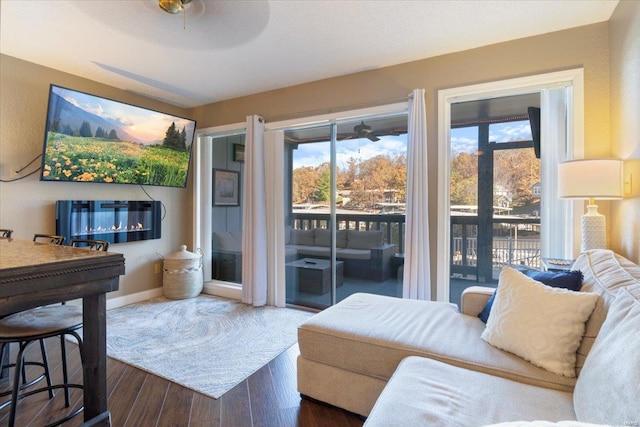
(234, 48)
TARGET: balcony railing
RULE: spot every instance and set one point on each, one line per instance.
(393, 225)
(516, 241)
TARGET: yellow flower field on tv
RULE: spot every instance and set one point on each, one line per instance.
(74, 158)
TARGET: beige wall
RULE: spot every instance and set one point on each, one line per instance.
(625, 123)
(28, 206)
(586, 47)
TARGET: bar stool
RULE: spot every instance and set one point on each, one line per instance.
(96, 245)
(38, 324)
(52, 239)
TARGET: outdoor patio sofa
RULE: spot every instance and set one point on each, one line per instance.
(364, 253)
(415, 363)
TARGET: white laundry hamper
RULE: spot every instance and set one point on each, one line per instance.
(182, 274)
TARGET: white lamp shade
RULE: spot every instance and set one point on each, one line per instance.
(590, 178)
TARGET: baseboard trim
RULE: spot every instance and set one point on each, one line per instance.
(223, 289)
(219, 289)
(133, 298)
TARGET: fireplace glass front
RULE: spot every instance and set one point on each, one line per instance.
(115, 221)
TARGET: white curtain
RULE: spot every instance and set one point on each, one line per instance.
(417, 269)
(555, 214)
(254, 233)
(274, 179)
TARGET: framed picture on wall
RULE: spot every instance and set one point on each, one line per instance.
(238, 153)
(226, 188)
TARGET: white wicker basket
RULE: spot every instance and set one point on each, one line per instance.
(182, 274)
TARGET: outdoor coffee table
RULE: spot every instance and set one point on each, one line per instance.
(313, 275)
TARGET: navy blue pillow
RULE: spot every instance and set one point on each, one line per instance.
(571, 280)
(484, 314)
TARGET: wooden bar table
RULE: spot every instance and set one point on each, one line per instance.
(35, 274)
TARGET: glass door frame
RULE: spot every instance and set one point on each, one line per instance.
(575, 144)
(332, 121)
(203, 201)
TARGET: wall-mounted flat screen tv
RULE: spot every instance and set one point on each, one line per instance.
(93, 139)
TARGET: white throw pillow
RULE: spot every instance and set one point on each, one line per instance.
(541, 324)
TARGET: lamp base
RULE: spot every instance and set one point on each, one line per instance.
(594, 229)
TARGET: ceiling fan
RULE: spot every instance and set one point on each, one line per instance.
(364, 131)
(173, 6)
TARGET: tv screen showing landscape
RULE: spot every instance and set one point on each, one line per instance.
(94, 139)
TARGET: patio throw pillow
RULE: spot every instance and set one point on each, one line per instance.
(541, 324)
(364, 239)
(565, 279)
(323, 237)
(302, 237)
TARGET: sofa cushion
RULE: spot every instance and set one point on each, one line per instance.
(363, 254)
(230, 241)
(323, 237)
(312, 251)
(605, 273)
(563, 279)
(302, 237)
(541, 423)
(370, 334)
(364, 239)
(608, 389)
(424, 392)
(287, 234)
(537, 322)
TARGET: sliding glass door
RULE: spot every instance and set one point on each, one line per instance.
(345, 214)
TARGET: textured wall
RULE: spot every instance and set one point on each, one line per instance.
(28, 206)
(625, 123)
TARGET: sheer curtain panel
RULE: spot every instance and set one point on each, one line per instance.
(254, 233)
(275, 196)
(417, 269)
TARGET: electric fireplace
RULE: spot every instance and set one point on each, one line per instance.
(115, 221)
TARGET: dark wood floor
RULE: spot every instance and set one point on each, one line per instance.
(138, 399)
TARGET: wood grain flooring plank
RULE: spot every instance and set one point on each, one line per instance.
(265, 411)
(124, 395)
(177, 407)
(235, 407)
(115, 373)
(148, 406)
(205, 411)
(284, 378)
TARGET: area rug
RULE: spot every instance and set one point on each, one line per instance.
(207, 344)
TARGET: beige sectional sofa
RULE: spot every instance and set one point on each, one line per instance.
(416, 363)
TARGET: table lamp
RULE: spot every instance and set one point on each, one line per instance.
(591, 179)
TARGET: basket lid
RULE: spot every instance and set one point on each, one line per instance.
(183, 253)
